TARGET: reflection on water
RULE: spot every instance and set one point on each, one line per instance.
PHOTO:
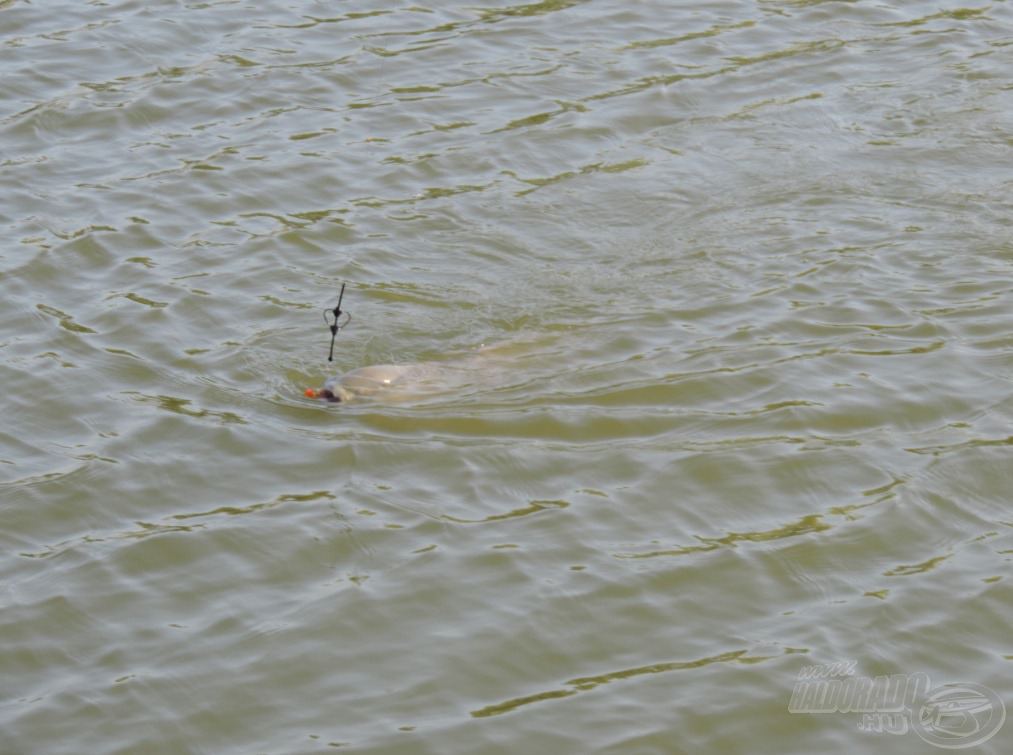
(747, 271)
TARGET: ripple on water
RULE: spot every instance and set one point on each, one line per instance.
(752, 264)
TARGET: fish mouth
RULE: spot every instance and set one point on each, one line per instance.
(326, 394)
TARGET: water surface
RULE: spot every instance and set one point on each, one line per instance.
(754, 264)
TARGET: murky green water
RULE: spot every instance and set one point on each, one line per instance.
(747, 270)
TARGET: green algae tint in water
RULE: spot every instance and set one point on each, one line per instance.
(747, 267)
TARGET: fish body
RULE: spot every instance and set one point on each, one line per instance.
(410, 381)
(378, 379)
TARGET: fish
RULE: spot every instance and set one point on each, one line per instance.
(395, 380)
(484, 365)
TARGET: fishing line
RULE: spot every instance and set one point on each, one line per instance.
(337, 325)
(383, 54)
(333, 316)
